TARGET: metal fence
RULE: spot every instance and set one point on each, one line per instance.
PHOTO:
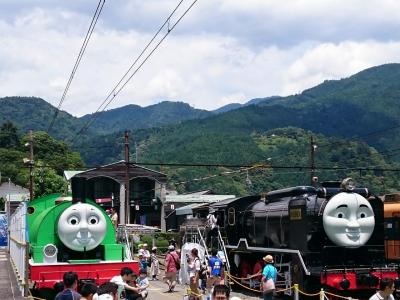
(18, 243)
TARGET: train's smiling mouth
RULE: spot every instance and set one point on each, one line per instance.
(353, 234)
(83, 237)
(83, 241)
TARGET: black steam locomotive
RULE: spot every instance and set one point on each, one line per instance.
(330, 236)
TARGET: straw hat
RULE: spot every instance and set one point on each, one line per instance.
(268, 259)
(154, 248)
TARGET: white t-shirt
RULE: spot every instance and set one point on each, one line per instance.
(106, 297)
(143, 282)
(377, 296)
(193, 267)
(114, 219)
(211, 221)
(121, 285)
(146, 253)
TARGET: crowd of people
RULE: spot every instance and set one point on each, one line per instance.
(130, 286)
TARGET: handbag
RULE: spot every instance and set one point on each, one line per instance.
(268, 286)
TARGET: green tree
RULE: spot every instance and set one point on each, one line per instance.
(8, 135)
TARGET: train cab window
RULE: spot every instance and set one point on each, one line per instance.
(231, 216)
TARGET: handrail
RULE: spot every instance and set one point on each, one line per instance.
(204, 243)
(128, 248)
(322, 294)
(18, 245)
(221, 241)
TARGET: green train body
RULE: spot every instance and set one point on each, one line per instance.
(46, 241)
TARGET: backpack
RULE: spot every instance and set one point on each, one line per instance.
(203, 270)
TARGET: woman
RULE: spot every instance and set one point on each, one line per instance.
(269, 273)
(154, 268)
(193, 270)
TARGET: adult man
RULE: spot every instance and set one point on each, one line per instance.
(88, 291)
(221, 292)
(108, 291)
(172, 263)
(70, 280)
(215, 269)
(212, 227)
(114, 217)
(386, 289)
(126, 275)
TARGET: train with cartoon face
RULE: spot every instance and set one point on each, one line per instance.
(329, 237)
(71, 234)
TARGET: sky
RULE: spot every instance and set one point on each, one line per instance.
(221, 52)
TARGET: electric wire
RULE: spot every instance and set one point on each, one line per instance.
(116, 90)
(253, 166)
(93, 23)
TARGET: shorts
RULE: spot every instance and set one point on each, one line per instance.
(214, 280)
(171, 276)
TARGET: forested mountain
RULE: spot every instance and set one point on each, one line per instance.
(360, 108)
(254, 101)
(352, 117)
(135, 116)
(287, 150)
(36, 114)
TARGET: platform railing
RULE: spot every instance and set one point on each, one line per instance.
(18, 244)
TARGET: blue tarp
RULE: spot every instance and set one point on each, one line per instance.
(3, 230)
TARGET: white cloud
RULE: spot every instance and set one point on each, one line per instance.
(223, 50)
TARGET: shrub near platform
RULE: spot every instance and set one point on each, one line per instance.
(161, 240)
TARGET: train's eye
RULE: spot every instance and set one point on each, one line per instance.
(362, 215)
(340, 215)
(93, 220)
(73, 221)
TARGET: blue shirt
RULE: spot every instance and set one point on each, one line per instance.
(270, 272)
(142, 264)
(68, 294)
(215, 265)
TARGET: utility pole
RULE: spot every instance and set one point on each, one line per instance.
(312, 152)
(136, 152)
(127, 200)
(31, 163)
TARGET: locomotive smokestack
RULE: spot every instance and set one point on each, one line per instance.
(78, 186)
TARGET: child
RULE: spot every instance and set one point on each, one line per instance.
(142, 262)
(143, 283)
(154, 268)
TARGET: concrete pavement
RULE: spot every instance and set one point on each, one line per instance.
(157, 291)
(8, 284)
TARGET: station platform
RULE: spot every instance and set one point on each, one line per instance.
(8, 283)
(157, 291)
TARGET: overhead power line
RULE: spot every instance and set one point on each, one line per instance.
(125, 79)
(247, 166)
(78, 60)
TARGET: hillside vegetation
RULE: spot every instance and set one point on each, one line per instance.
(352, 120)
(51, 158)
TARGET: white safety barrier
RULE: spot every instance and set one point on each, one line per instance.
(18, 243)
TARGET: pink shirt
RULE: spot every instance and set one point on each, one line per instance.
(170, 262)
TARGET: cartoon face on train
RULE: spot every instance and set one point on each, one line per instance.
(348, 220)
(82, 226)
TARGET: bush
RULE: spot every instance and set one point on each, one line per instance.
(161, 240)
